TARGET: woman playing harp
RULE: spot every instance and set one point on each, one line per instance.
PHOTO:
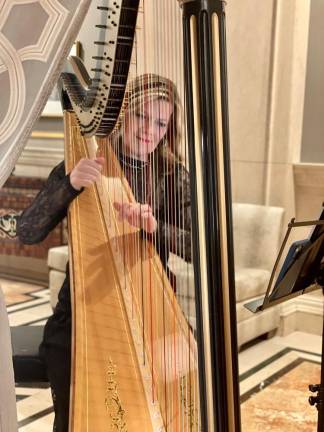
(146, 146)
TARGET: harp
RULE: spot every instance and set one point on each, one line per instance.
(148, 356)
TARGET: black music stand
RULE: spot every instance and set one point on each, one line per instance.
(301, 272)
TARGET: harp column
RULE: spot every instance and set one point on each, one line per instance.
(208, 140)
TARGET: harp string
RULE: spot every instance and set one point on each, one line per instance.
(169, 355)
(176, 349)
(166, 212)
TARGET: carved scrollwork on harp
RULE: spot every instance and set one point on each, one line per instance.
(113, 402)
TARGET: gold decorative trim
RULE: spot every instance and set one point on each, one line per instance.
(189, 407)
(113, 402)
(77, 50)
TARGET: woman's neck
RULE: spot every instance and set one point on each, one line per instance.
(126, 152)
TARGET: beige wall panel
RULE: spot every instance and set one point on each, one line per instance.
(288, 82)
(249, 41)
(267, 60)
(313, 126)
(281, 193)
(247, 181)
(288, 91)
(309, 190)
(39, 157)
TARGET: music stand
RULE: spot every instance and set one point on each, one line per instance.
(302, 272)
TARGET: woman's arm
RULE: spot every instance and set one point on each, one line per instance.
(170, 229)
(51, 204)
(48, 208)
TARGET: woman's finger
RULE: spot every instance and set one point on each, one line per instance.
(88, 177)
(100, 160)
(90, 167)
(149, 223)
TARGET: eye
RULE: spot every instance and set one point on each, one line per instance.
(162, 124)
(139, 114)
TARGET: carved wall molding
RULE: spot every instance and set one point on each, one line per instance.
(32, 52)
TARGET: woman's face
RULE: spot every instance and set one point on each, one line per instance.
(145, 127)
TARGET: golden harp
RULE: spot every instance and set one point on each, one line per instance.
(151, 373)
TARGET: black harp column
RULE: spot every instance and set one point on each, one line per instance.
(208, 137)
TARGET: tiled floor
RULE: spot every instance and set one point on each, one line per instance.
(29, 305)
(35, 410)
(266, 369)
(17, 292)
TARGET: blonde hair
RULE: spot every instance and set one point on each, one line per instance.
(156, 87)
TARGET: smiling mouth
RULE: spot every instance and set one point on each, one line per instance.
(146, 141)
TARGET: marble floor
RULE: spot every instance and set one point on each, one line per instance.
(274, 379)
(274, 374)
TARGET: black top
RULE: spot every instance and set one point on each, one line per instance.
(51, 204)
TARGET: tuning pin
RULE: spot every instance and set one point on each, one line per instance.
(313, 400)
(314, 388)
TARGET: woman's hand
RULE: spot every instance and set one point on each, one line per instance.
(86, 172)
(137, 215)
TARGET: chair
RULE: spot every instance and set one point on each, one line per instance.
(257, 235)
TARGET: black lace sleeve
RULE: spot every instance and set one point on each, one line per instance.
(48, 208)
